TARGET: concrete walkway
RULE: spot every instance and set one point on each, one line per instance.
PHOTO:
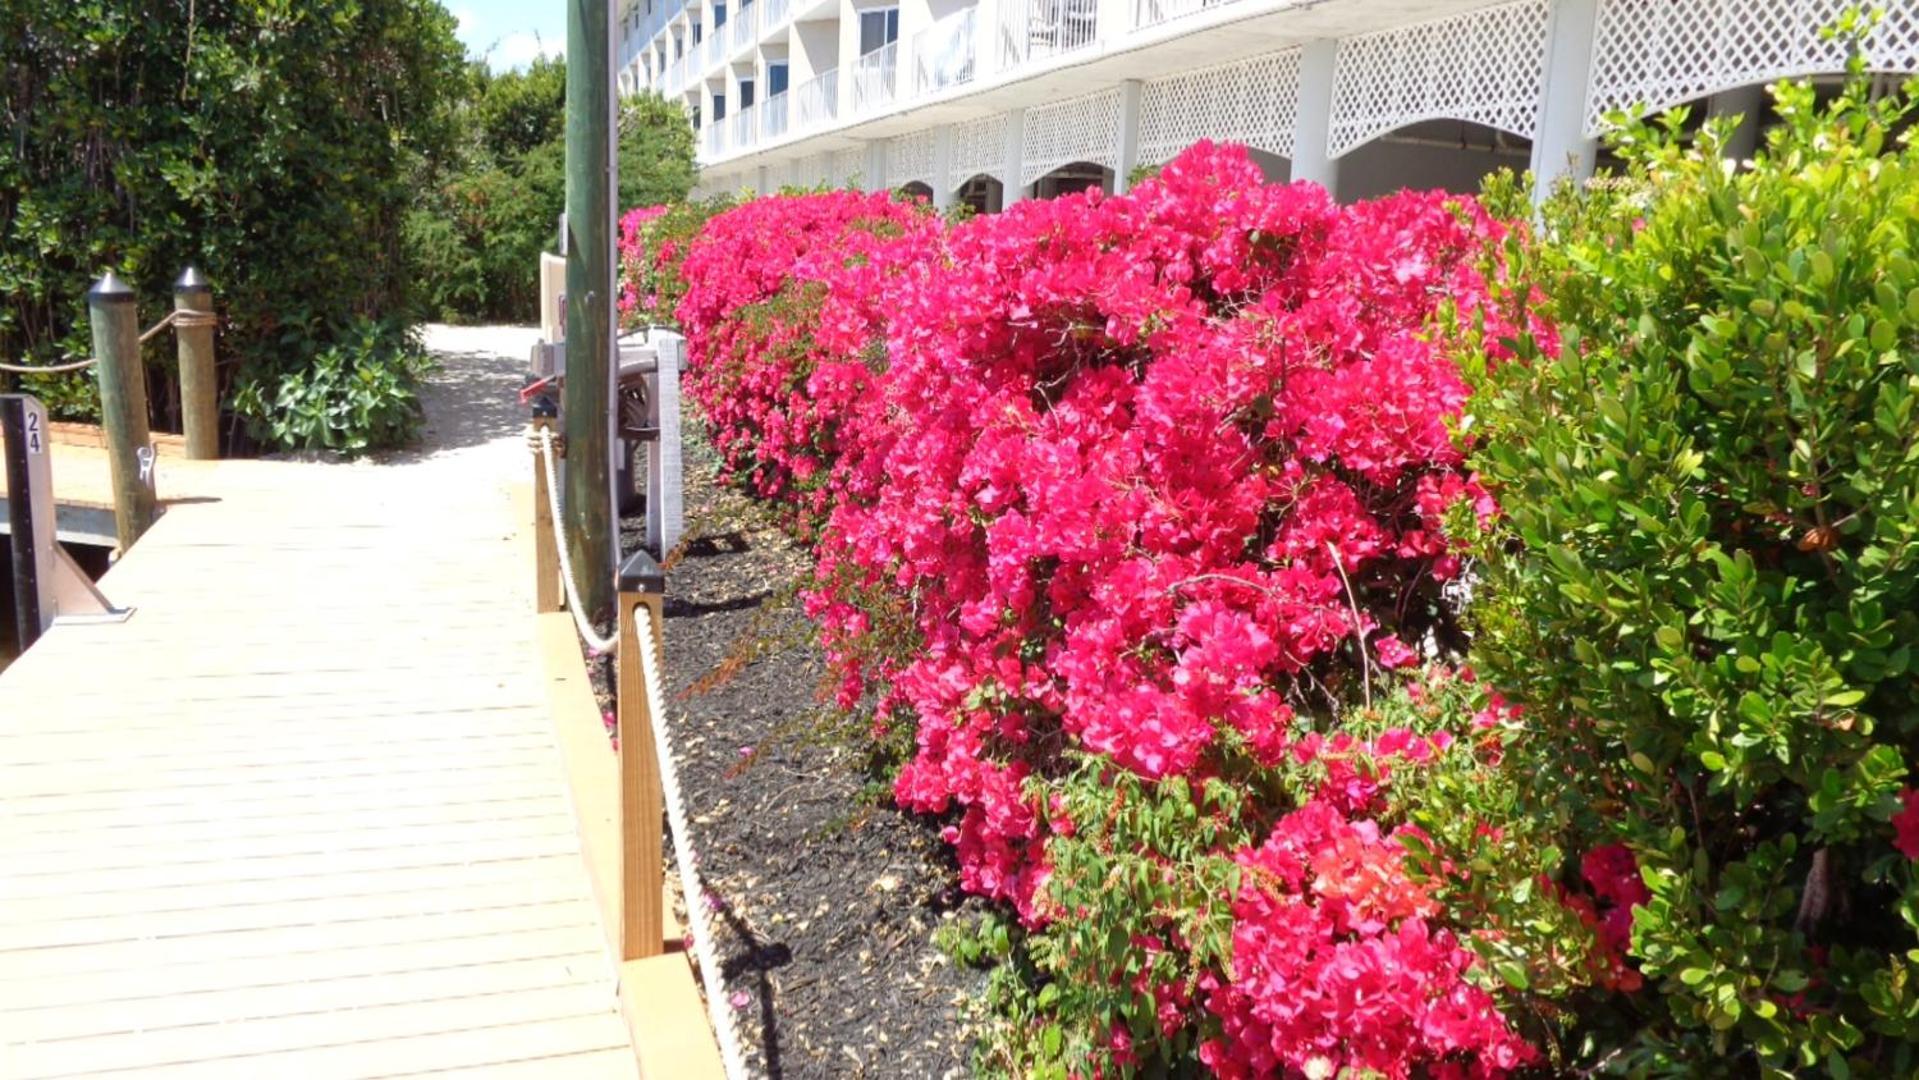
(303, 815)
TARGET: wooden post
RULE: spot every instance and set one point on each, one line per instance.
(547, 594)
(642, 907)
(123, 406)
(199, 382)
(587, 410)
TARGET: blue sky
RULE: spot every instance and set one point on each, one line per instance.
(510, 33)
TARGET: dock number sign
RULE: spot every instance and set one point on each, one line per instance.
(35, 442)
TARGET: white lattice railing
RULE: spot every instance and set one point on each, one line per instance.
(943, 52)
(1254, 101)
(875, 76)
(1036, 29)
(1063, 132)
(746, 25)
(979, 149)
(1486, 66)
(743, 128)
(819, 98)
(773, 115)
(1654, 54)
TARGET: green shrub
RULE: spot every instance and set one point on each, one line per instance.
(359, 394)
(1704, 588)
(274, 145)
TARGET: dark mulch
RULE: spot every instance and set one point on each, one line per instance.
(829, 895)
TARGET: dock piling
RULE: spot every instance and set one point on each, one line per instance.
(123, 406)
(199, 378)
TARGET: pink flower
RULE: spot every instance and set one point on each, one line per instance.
(1393, 653)
(1905, 824)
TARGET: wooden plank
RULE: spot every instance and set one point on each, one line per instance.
(641, 854)
(667, 1017)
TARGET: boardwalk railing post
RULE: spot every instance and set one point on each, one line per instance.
(47, 583)
(199, 381)
(123, 406)
(642, 588)
(547, 589)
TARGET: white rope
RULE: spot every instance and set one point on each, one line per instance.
(51, 369)
(592, 638)
(717, 1007)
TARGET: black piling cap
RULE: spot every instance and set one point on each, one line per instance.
(641, 573)
(191, 282)
(110, 290)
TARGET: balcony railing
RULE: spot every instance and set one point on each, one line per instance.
(820, 99)
(1032, 30)
(716, 45)
(746, 25)
(1153, 12)
(744, 127)
(773, 112)
(874, 77)
(773, 13)
(715, 139)
(943, 52)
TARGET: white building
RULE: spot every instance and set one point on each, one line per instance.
(994, 100)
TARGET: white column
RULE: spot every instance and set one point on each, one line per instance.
(1011, 189)
(942, 179)
(760, 180)
(1313, 129)
(1562, 148)
(1126, 157)
(875, 178)
(1747, 103)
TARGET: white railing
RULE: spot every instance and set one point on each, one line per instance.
(745, 127)
(874, 77)
(1032, 30)
(716, 45)
(773, 113)
(820, 98)
(715, 139)
(774, 14)
(1153, 12)
(943, 52)
(745, 26)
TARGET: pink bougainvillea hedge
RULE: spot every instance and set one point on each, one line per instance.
(1153, 486)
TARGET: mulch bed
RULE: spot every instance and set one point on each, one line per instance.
(828, 896)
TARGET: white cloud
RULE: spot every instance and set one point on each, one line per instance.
(518, 49)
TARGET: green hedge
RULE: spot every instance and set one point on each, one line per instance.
(275, 144)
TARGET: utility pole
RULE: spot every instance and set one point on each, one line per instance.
(587, 397)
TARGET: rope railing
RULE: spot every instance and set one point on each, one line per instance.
(653, 717)
(186, 320)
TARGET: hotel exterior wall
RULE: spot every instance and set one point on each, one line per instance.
(1316, 83)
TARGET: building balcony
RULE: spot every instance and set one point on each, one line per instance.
(1032, 30)
(875, 78)
(715, 140)
(773, 14)
(1153, 12)
(819, 99)
(743, 128)
(746, 26)
(773, 113)
(943, 53)
(716, 45)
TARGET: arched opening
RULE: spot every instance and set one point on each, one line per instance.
(983, 194)
(915, 189)
(1073, 178)
(1447, 155)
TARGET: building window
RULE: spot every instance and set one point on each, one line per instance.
(776, 75)
(719, 16)
(746, 92)
(879, 27)
(719, 107)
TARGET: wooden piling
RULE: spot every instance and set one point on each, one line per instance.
(199, 381)
(642, 911)
(547, 589)
(123, 406)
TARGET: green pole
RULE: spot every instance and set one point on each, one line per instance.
(123, 406)
(587, 399)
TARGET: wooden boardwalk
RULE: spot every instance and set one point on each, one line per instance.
(303, 815)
